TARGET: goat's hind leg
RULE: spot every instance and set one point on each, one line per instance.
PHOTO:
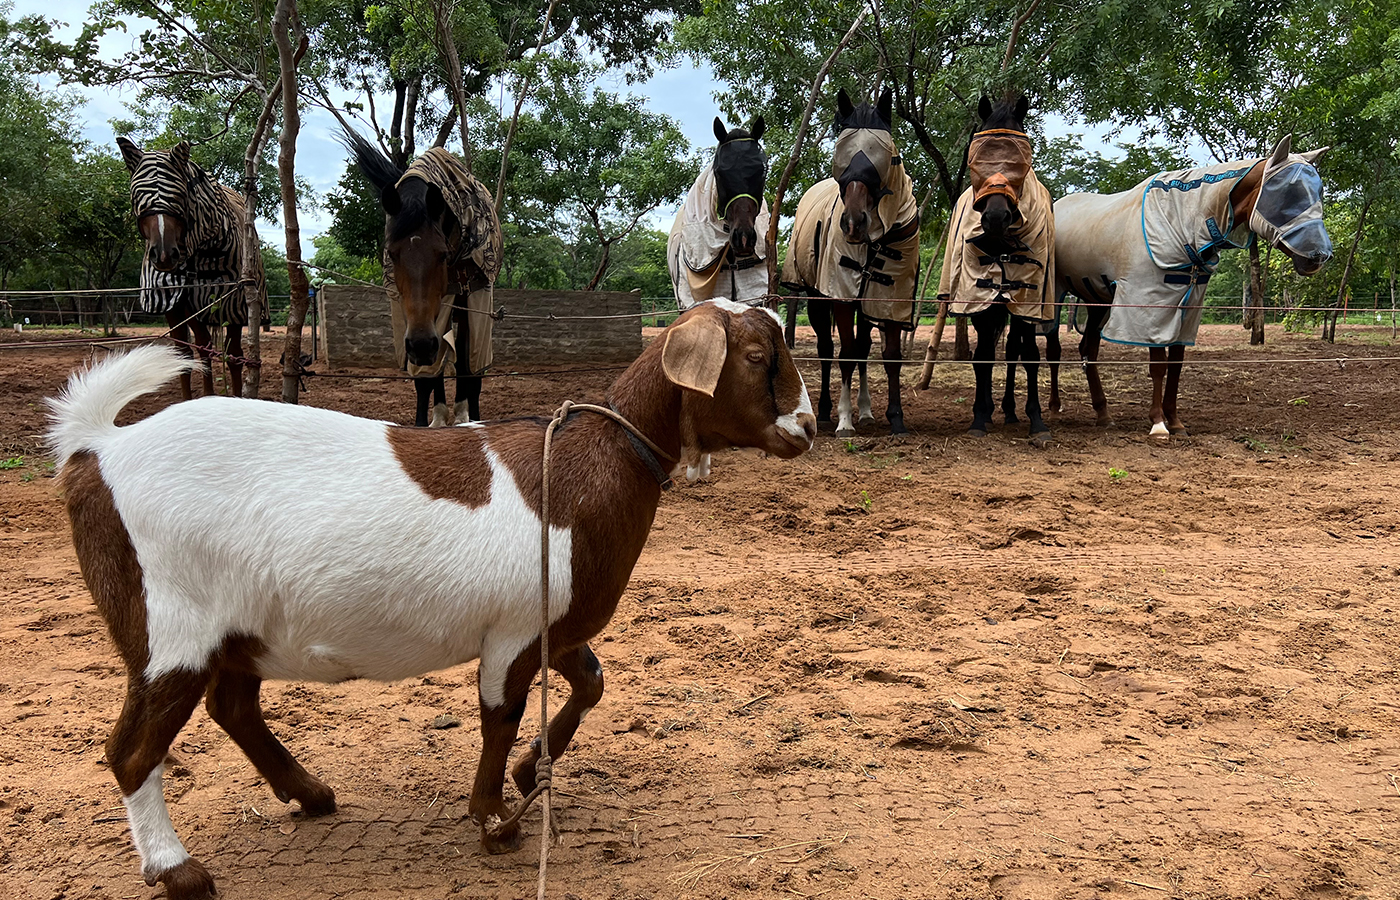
(233, 703)
(153, 714)
(585, 676)
(503, 685)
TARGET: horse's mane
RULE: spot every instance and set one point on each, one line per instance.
(383, 174)
(864, 116)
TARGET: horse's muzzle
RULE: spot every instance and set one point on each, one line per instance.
(743, 241)
(421, 351)
(855, 228)
(165, 260)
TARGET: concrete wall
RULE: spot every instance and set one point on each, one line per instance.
(359, 334)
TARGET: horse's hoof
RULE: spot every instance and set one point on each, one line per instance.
(977, 432)
(1056, 406)
(1178, 430)
(866, 419)
(1040, 439)
(845, 432)
(1159, 430)
(898, 430)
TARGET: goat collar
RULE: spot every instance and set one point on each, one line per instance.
(647, 454)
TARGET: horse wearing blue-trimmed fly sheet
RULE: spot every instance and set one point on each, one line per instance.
(442, 252)
(193, 263)
(717, 247)
(854, 251)
(1000, 259)
(1140, 259)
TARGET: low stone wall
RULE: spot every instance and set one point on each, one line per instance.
(359, 334)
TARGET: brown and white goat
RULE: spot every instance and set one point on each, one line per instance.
(413, 549)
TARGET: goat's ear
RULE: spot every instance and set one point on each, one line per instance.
(984, 108)
(756, 132)
(721, 133)
(1312, 156)
(1281, 151)
(391, 201)
(694, 353)
(131, 154)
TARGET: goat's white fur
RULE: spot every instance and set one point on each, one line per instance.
(340, 563)
(151, 829)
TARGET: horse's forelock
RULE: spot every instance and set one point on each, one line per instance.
(412, 216)
(864, 116)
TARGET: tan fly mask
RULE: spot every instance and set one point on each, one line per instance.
(866, 155)
(998, 161)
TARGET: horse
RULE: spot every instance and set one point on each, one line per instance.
(442, 243)
(864, 271)
(193, 263)
(717, 243)
(999, 263)
(1140, 259)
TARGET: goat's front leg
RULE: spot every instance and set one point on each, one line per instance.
(502, 685)
(585, 676)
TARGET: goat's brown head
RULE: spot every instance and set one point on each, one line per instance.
(160, 200)
(742, 388)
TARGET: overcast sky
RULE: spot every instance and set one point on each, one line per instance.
(684, 93)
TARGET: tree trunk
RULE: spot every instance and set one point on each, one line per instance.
(1256, 291)
(1394, 328)
(520, 95)
(252, 246)
(453, 63)
(283, 22)
(602, 267)
(1329, 323)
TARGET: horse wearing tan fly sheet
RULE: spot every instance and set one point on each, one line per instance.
(717, 247)
(854, 251)
(1000, 260)
(1140, 259)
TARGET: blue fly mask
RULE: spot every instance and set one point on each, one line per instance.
(1288, 213)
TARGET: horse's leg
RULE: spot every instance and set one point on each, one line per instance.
(988, 324)
(233, 703)
(1008, 398)
(845, 315)
(424, 388)
(893, 354)
(1052, 358)
(1023, 335)
(180, 333)
(439, 384)
(1175, 354)
(468, 386)
(201, 340)
(819, 314)
(233, 350)
(1158, 368)
(864, 341)
(585, 676)
(1089, 346)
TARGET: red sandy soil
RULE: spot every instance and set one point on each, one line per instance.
(930, 667)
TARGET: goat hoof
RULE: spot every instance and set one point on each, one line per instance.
(496, 840)
(187, 881)
(318, 802)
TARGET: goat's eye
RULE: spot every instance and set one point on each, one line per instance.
(757, 358)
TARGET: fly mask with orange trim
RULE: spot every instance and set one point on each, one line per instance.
(998, 160)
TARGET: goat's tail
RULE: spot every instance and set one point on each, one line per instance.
(87, 409)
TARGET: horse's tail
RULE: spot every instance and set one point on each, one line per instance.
(378, 168)
(85, 413)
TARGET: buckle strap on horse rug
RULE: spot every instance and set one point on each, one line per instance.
(544, 772)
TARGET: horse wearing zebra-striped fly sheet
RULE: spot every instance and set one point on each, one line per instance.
(193, 264)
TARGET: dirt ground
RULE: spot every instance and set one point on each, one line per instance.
(933, 667)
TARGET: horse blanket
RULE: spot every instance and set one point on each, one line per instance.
(883, 274)
(1023, 279)
(1154, 247)
(698, 251)
(474, 249)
